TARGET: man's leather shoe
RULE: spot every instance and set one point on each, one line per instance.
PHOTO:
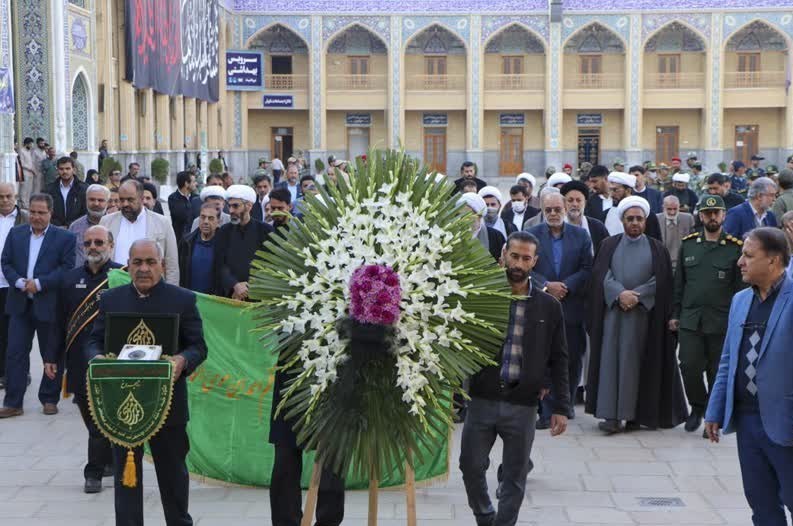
(610, 427)
(632, 425)
(705, 434)
(92, 486)
(50, 409)
(7, 412)
(694, 421)
(108, 471)
(542, 423)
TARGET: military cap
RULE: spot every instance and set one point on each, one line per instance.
(771, 169)
(757, 158)
(263, 160)
(712, 202)
(618, 162)
(790, 159)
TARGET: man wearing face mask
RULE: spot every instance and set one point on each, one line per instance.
(491, 239)
(236, 243)
(493, 200)
(520, 211)
(78, 304)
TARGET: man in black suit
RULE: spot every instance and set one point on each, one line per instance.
(78, 302)
(150, 294)
(68, 194)
(180, 205)
(468, 172)
(575, 195)
(599, 201)
(504, 396)
(519, 211)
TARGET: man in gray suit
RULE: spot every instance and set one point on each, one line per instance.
(675, 225)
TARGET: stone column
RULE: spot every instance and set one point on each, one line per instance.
(632, 117)
(554, 82)
(162, 123)
(475, 86)
(787, 146)
(59, 51)
(316, 113)
(712, 128)
(396, 83)
(177, 131)
(7, 155)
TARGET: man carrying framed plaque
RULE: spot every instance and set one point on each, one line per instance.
(149, 311)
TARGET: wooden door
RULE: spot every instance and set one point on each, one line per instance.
(748, 70)
(667, 144)
(589, 146)
(512, 68)
(511, 151)
(668, 71)
(747, 139)
(359, 71)
(590, 69)
(281, 143)
(435, 149)
(435, 73)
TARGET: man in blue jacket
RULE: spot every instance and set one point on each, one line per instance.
(565, 261)
(755, 211)
(753, 392)
(34, 259)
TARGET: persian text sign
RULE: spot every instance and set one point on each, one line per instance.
(172, 47)
(278, 101)
(244, 70)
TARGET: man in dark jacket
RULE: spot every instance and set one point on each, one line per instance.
(150, 294)
(78, 303)
(197, 252)
(179, 204)
(468, 172)
(68, 194)
(504, 396)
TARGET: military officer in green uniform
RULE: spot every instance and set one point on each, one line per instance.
(706, 279)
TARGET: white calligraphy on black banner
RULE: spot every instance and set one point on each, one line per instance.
(159, 32)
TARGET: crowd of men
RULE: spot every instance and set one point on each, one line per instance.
(625, 280)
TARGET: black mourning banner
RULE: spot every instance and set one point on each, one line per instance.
(172, 47)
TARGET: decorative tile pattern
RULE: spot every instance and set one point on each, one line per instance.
(715, 96)
(782, 21)
(333, 25)
(536, 24)
(80, 114)
(379, 6)
(515, 39)
(317, 108)
(475, 58)
(79, 3)
(357, 39)
(5, 33)
(635, 62)
(396, 77)
(238, 119)
(555, 110)
(32, 39)
(81, 40)
(256, 23)
(668, 5)
(459, 25)
(700, 23)
(619, 24)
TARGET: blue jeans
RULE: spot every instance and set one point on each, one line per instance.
(20, 341)
(766, 470)
(484, 421)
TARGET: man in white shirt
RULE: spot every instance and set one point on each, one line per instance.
(135, 222)
(10, 216)
(278, 168)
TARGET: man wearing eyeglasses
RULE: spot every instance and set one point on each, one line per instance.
(78, 303)
(565, 261)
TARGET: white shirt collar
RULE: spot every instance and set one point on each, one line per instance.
(11, 214)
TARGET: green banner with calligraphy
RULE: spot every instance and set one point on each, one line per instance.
(230, 401)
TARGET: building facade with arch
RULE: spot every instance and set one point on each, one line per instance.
(513, 86)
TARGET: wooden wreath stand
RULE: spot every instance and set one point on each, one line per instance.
(313, 491)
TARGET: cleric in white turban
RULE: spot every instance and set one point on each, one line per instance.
(529, 182)
(680, 189)
(494, 201)
(621, 185)
(631, 202)
(559, 179)
(236, 243)
(492, 240)
(217, 196)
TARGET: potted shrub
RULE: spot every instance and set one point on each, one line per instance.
(216, 166)
(160, 169)
(109, 165)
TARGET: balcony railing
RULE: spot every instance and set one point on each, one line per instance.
(436, 82)
(683, 80)
(595, 81)
(755, 79)
(356, 82)
(286, 82)
(524, 82)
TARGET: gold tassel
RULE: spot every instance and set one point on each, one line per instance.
(64, 390)
(130, 478)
